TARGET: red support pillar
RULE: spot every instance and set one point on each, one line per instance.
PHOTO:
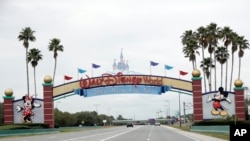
(48, 102)
(8, 107)
(197, 96)
(239, 103)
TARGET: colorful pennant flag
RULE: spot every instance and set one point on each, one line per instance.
(67, 77)
(81, 70)
(167, 67)
(95, 66)
(183, 72)
(153, 63)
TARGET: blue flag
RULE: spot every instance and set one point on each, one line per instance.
(95, 66)
(81, 70)
(167, 67)
(153, 63)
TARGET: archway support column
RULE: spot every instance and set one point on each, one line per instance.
(197, 99)
(48, 104)
(239, 103)
(8, 109)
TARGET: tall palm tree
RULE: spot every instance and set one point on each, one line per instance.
(201, 37)
(234, 37)
(212, 39)
(221, 54)
(26, 35)
(34, 56)
(243, 44)
(205, 65)
(226, 35)
(54, 45)
(190, 48)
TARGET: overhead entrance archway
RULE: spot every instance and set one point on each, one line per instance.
(119, 83)
(116, 84)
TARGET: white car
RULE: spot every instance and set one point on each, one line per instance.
(157, 124)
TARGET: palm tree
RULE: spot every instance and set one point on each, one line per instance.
(54, 45)
(226, 35)
(190, 46)
(212, 40)
(221, 55)
(205, 65)
(26, 35)
(34, 56)
(201, 35)
(243, 44)
(234, 48)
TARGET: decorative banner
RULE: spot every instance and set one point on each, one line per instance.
(183, 72)
(153, 63)
(167, 67)
(81, 70)
(95, 66)
(66, 77)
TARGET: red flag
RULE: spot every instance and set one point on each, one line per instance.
(183, 72)
(67, 77)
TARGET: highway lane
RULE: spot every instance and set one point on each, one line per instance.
(152, 133)
(138, 133)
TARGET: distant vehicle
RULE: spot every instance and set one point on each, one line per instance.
(157, 124)
(130, 125)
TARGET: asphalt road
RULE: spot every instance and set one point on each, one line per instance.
(137, 133)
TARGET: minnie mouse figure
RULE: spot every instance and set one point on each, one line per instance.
(28, 105)
(218, 97)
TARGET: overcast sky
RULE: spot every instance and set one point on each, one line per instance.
(95, 31)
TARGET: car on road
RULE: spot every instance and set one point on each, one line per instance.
(130, 125)
(157, 124)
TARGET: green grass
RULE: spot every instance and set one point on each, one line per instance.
(216, 135)
(9, 127)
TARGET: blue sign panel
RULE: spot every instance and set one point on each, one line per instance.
(122, 89)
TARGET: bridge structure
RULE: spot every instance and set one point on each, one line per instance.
(115, 84)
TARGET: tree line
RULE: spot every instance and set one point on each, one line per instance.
(84, 118)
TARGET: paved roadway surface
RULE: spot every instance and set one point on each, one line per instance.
(138, 133)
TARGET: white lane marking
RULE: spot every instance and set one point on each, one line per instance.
(150, 132)
(72, 139)
(117, 135)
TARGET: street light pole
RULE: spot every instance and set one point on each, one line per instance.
(96, 106)
(168, 116)
(180, 107)
(184, 111)
(57, 104)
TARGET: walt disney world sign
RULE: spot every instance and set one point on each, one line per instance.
(121, 84)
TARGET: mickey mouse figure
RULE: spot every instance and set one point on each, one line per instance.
(218, 97)
(28, 105)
